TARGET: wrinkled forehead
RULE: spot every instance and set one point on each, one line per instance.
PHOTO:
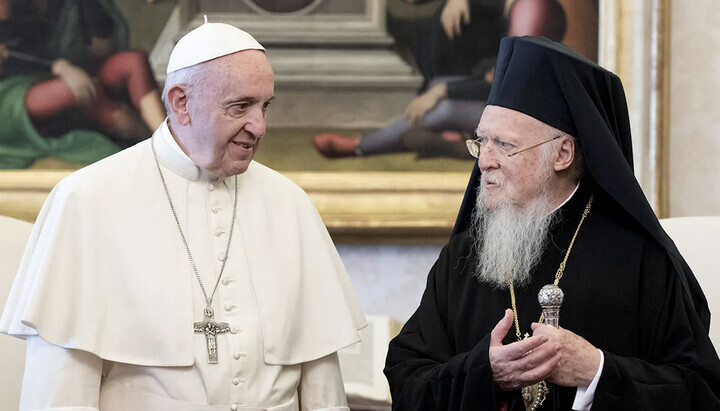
(245, 62)
(497, 122)
(247, 70)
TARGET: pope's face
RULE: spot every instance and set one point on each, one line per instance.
(522, 178)
(227, 112)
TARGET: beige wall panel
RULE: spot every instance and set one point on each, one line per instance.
(695, 108)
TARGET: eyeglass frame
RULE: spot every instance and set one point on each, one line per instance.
(475, 142)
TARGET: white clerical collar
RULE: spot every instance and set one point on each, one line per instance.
(567, 199)
(172, 157)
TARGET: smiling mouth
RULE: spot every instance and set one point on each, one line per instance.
(243, 145)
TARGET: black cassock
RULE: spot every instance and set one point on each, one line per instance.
(621, 294)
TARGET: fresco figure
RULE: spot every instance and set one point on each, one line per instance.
(69, 88)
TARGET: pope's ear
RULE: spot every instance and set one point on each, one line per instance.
(565, 155)
(177, 98)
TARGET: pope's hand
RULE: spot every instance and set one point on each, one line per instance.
(77, 80)
(521, 363)
(580, 359)
(453, 15)
(420, 105)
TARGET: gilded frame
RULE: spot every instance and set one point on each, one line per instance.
(635, 44)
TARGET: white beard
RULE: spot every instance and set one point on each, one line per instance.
(510, 240)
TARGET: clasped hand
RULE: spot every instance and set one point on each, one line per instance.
(553, 354)
(454, 14)
(77, 79)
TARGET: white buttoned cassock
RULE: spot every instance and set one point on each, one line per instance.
(266, 361)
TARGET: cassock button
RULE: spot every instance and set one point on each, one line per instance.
(235, 331)
(221, 257)
(237, 381)
(211, 187)
(234, 407)
(226, 281)
(230, 307)
(219, 232)
(215, 210)
(237, 356)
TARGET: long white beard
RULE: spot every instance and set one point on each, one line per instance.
(510, 240)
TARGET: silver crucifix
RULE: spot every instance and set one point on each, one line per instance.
(211, 328)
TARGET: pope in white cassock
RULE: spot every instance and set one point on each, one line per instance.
(179, 274)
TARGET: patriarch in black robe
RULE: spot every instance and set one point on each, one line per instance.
(553, 196)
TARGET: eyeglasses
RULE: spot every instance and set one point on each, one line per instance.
(476, 146)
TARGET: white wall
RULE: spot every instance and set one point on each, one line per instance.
(388, 279)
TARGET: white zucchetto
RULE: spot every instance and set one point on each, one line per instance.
(208, 42)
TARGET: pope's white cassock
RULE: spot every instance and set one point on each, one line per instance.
(106, 283)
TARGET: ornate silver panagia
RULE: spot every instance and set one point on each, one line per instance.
(550, 298)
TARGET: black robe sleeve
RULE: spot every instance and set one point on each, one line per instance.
(423, 368)
(680, 369)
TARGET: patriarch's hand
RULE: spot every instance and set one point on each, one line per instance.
(580, 359)
(521, 363)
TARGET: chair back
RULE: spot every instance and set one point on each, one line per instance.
(698, 240)
(13, 237)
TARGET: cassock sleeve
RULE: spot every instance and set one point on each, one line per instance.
(59, 378)
(321, 386)
(680, 370)
(422, 367)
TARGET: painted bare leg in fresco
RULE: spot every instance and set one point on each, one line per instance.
(131, 70)
(74, 89)
(438, 124)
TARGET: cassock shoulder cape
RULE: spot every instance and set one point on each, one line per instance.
(97, 272)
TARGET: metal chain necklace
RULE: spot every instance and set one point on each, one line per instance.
(208, 326)
(534, 395)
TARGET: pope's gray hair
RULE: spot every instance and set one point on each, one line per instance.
(191, 78)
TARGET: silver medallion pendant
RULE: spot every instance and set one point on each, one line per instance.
(211, 329)
(534, 395)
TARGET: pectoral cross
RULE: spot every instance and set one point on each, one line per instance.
(211, 328)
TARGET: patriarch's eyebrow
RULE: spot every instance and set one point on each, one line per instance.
(479, 133)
